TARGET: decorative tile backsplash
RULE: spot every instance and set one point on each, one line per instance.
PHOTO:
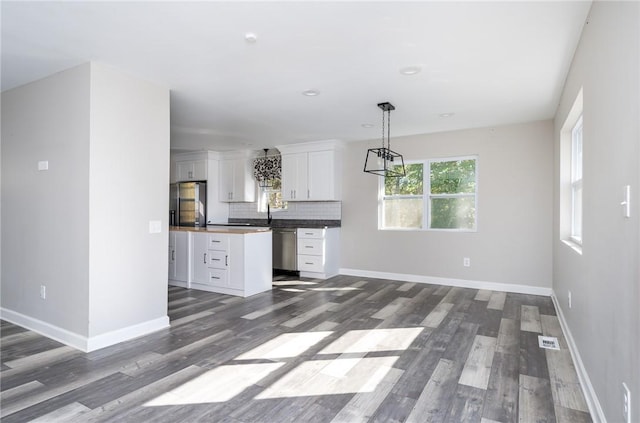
(308, 210)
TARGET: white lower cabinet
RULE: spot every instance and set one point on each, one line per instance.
(178, 258)
(318, 252)
(233, 263)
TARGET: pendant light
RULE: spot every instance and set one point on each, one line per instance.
(384, 161)
(266, 169)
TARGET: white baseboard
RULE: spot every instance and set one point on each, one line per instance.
(585, 383)
(464, 283)
(80, 342)
(46, 329)
(125, 334)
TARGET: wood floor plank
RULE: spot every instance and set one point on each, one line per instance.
(467, 405)
(496, 302)
(530, 319)
(363, 405)
(565, 385)
(501, 400)
(508, 341)
(432, 405)
(63, 414)
(438, 314)
(477, 368)
(535, 401)
(483, 295)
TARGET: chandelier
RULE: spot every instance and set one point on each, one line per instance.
(384, 161)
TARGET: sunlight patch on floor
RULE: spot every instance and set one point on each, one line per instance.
(285, 346)
(217, 385)
(369, 340)
(309, 379)
(293, 283)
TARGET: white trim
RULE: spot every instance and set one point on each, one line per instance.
(46, 329)
(125, 334)
(463, 283)
(80, 342)
(585, 383)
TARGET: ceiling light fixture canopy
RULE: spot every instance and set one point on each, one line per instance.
(384, 161)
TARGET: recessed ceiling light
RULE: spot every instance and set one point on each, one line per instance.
(410, 70)
(446, 115)
(367, 125)
(310, 93)
(250, 37)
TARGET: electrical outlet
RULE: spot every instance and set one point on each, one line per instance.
(627, 403)
(466, 262)
(43, 292)
(569, 299)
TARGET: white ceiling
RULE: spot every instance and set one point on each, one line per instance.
(490, 63)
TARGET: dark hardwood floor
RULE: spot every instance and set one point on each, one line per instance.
(342, 350)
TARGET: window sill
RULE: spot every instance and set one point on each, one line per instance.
(573, 245)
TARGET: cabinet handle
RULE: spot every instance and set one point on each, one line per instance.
(308, 233)
(226, 260)
(173, 255)
(306, 262)
(215, 259)
(308, 246)
(205, 258)
(215, 240)
(214, 277)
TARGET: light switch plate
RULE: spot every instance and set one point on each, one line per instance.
(155, 226)
(43, 165)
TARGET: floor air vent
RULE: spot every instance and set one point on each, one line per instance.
(548, 342)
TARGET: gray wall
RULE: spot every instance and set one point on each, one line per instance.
(513, 241)
(45, 214)
(82, 227)
(604, 318)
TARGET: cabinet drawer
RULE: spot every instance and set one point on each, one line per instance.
(218, 277)
(311, 246)
(218, 242)
(310, 263)
(310, 233)
(218, 259)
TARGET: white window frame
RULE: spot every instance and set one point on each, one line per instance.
(576, 182)
(427, 196)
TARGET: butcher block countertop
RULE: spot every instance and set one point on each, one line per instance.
(242, 230)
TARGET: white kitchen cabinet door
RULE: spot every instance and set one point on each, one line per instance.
(191, 170)
(236, 181)
(321, 176)
(294, 177)
(179, 256)
(199, 258)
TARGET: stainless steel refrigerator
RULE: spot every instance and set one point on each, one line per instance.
(188, 204)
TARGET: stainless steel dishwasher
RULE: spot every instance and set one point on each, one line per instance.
(285, 254)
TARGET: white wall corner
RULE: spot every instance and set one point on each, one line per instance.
(595, 409)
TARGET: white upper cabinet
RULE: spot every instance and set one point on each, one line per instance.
(312, 175)
(236, 183)
(294, 177)
(191, 170)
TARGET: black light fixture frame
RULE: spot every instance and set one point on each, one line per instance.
(389, 159)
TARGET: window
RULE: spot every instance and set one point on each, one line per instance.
(442, 198)
(576, 182)
(271, 196)
(403, 199)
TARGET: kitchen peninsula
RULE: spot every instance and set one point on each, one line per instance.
(227, 260)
